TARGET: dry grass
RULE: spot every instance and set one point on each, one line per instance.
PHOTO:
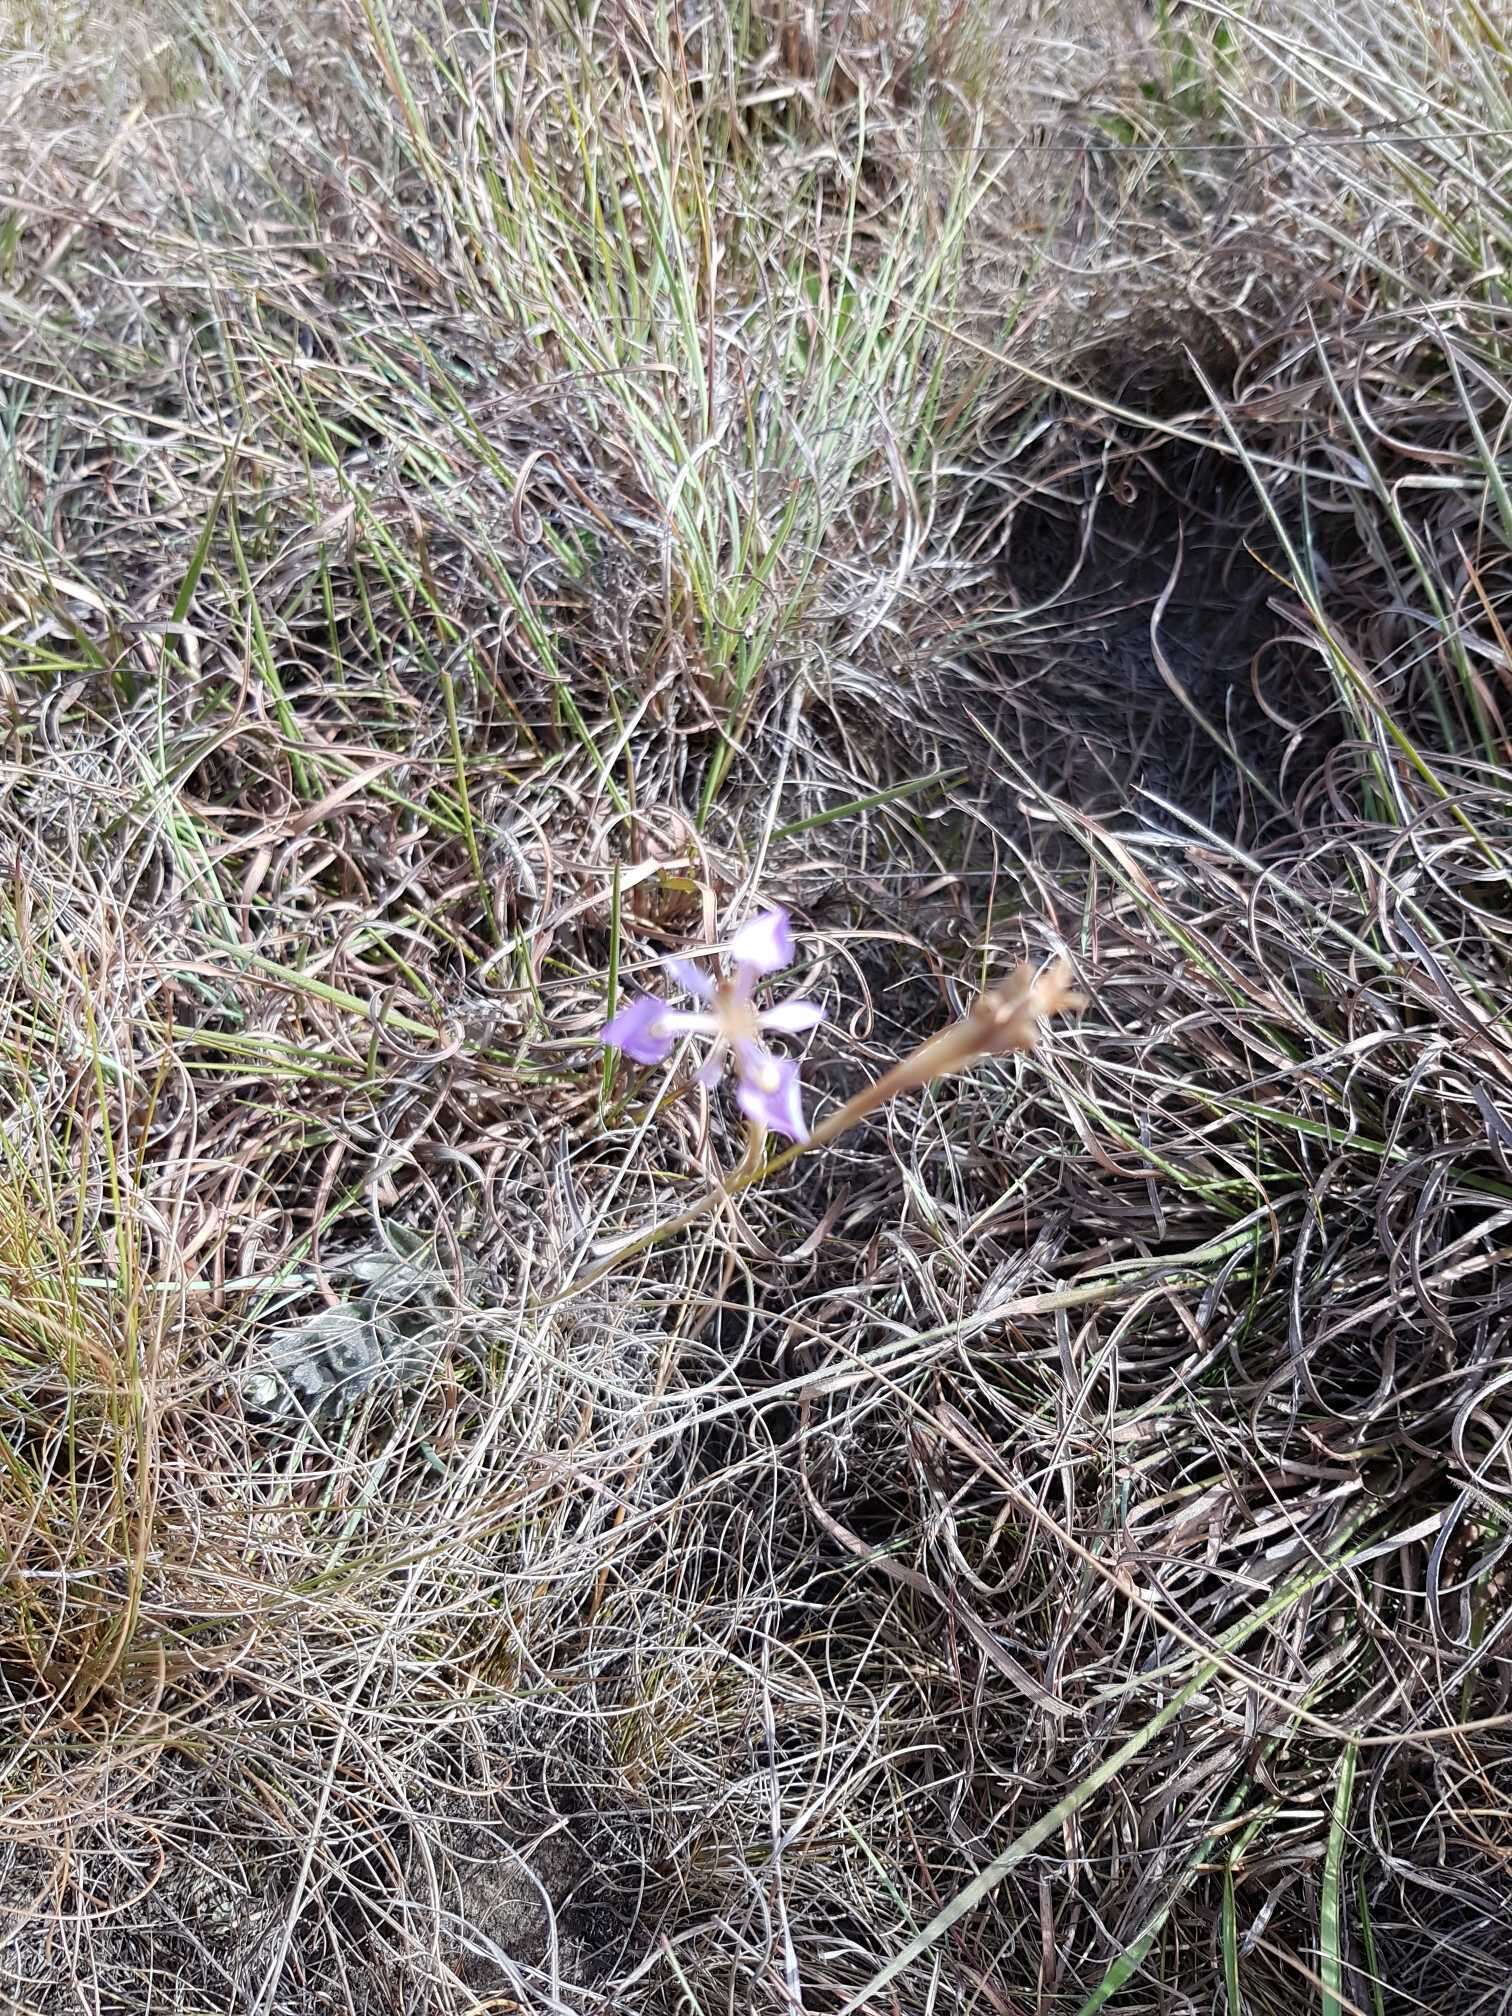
(488, 498)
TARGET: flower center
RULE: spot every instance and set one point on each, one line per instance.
(737, 1017)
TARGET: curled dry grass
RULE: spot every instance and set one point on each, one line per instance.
(539, 487)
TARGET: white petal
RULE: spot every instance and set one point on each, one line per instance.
(712, 1069)
(791, 1018)
(692, 1021)
(764, 943)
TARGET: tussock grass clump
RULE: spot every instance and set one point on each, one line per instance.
(491, 499)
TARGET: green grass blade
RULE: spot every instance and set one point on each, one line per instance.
(1330, 1930)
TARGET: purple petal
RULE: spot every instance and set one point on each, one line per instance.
(764, 944)
(638, 1030)
(683, 973)
(791, 1018)
(773, 1098)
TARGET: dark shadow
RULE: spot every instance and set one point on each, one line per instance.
(1146, 666)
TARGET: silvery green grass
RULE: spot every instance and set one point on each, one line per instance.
(537, 1474)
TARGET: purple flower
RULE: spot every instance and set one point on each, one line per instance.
(767, 1087)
